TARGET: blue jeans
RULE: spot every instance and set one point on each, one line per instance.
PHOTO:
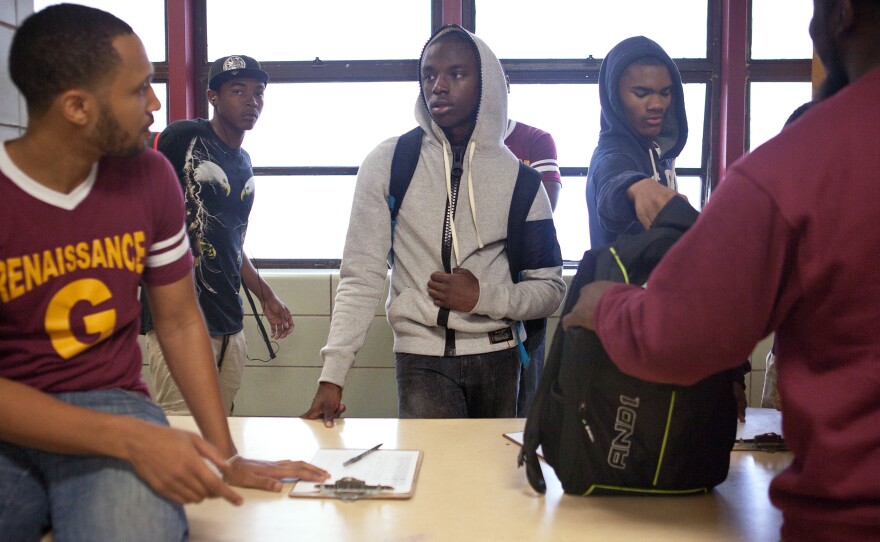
(85, 498)
(529, 379)
(477, 386)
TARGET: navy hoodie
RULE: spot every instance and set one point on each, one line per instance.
(623, 156)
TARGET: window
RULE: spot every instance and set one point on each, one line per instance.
(269, 30)
(566, 29)
(571, 38)
(329, 124)
(147, 19)
(344, 79)
(160, 117)
(316, 128)
(771, 105)
(780, 30)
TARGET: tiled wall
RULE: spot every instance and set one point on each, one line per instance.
(286, 385)
(12, 110)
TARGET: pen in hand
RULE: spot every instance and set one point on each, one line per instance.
(360, 456)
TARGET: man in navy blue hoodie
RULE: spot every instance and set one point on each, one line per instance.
(643, 129)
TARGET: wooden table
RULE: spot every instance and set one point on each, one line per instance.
(469, 488)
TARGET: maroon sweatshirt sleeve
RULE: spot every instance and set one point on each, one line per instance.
(710, 300)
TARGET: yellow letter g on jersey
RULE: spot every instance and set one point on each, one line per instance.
(58, 315)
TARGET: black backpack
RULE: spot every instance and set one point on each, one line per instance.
(528, 180)
(605, 432)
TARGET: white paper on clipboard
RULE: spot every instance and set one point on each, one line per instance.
(395, 468)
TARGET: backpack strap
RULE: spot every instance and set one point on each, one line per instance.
(260, 326)
(403, 166)
(527, 182)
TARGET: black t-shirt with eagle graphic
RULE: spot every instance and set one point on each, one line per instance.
(218, 185)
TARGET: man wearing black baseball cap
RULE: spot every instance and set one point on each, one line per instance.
(229, 67)
(218, 183)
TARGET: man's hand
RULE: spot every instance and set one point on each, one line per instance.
(581, 314)
(267, 475)
(327, 404)
(648, 197)
(275, 310)
(279, 317)
(174, 463)
(458, 291)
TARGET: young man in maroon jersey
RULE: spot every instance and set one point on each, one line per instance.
(88, 214)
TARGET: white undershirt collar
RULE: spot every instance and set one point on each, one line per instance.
(68, 202)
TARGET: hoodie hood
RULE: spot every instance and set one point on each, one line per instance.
(673, 135)
(485, 150)
(491, 121)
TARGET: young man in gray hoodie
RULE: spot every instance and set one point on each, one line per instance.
(453, 306)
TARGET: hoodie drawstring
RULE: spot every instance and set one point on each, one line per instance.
(654, 148)
(472, 201)
(672, 181)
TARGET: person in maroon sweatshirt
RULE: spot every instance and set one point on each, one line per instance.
(787, 243)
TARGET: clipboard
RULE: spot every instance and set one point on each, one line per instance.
(385, 474)
(762, 431)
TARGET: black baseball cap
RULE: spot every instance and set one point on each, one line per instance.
(225, 68)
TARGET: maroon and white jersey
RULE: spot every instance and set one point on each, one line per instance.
(70, 265)
(534, 147)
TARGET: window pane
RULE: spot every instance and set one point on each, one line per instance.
(780, 29)
(285, 207)
(146, 18)
(695, 104)
(575, 127)
(329, 124)
(329, 29)
(771, 104)
(567, 29)
(160, 117)
(570, 218)
(691, 187)
(300, 217)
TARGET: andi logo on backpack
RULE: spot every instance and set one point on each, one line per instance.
(605, 432)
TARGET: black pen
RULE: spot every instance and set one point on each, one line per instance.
(358, 457)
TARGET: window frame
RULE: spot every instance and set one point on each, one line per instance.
(726, 71)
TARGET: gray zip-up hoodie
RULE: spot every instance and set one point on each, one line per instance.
(478, 232)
